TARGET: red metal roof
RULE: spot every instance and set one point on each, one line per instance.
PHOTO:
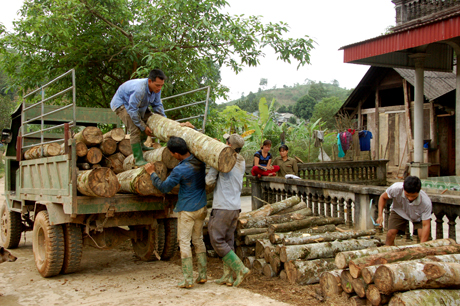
(402, 40)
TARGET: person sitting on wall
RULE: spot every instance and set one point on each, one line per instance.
(262, 161)
(288, 165)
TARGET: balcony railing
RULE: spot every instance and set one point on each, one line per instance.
(408, 10)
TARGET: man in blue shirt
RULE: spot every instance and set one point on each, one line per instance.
(131, 102)
(190, 175)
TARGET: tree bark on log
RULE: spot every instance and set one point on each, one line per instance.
(342, 259)
(346, 278)
(324, 249)
(260, 222)
(162, 154)
(101, 182)
(309, 271)
(117, 134)
(91, 136)
(374, 296)
(129, 163)
(137, 181)
(114, 162)
(108, 146)
(327, 237)
(331, 283)
(259, 265)
(271, 209)
(249, 261)
(49, 149)
(213, 152)
(300, 206)
(356, 265)
(300, 224)
(94, 156)
(124, 147)
(251, 239)
(406, 276)
(245, 251)
(444, 297)
(359, 286)
(277, 238)
(250, 231)
(260, 247)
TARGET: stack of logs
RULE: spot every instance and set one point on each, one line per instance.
(418, 274)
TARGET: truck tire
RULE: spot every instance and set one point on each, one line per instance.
(171, 243)
(73, 248)
(48, 245)
(10, 227)
(152, 243)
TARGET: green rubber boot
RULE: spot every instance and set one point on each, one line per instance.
(187, 270)
(227, 278)
(143, 139)
(202, 268)
(235, 263)
(138, 156)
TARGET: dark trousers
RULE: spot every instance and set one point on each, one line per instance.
(221, 227)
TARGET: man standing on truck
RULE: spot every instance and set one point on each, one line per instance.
(191, 205)
(131, 103)
(226, 208)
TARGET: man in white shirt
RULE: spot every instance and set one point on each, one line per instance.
(409, 204)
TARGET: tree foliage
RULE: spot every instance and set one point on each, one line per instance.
(111, 41)
(325, 110)
(304, 107)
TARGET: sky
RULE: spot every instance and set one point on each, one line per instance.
(331, 23)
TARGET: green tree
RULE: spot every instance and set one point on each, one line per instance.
(325, 110)
(111, 41)
(317, 91)
(304, 107)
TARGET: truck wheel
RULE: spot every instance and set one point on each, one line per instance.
(171, 243)
(73, 248)
(48, 245)
(10, 227)
(152, 243)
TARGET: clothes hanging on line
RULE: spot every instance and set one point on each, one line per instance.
(346, 139)
(319, 138)
(339, 146)
(365, 137)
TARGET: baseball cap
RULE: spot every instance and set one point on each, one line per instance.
(235, 140)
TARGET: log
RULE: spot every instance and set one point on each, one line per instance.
(260, 222)
(137, 181)
(209, 150)
(346, 278)
(307, 222)
(359, 286)
(259, 265)
(327, 237)
(374, 296)
(277, 238)
(124, 147)
(414, 275)
(84, 166)
(108, 146)
(260, 247)
(162, 154)
(94, 156)
(342, 259)
(49, 149)
(101, 182)
(249, 261)
(275, 263)
(331, 283)
(250, 231)
(114, 162)
(308, 271)
(268, 271)
(368, 273)
(324, 249)
(268, 250)
(357, 301)
(283, 275)
(95, 166)
(129, 163)
(271, 209)
(80, 148)
(91, 136)
(117, 134)
(251, 239)
(356, 265)
(426, 297)
(245, 251)
(301, 205)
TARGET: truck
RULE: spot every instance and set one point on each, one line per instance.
(41, 194)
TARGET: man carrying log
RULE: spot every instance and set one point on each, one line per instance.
(226, 207)
(409, 204)
(191, 205)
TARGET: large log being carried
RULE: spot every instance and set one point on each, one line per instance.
(324, 249)
(138, 181)
(277, 238)
(91, 136)
(271, 209)
(307, 222)
(213, 152)
(413, 275)
(342, 259)
(356, 265)
(100, 182)
(309, 271)
(117, 134)
(426, 297)
(259, 222)
(327, 237)
(46, 150)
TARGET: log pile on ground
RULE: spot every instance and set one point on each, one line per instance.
(385, 274)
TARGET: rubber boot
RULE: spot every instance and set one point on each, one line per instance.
(202, 268)
(235, 263)
(143, 139)
(187, 270)
(138, 156)
(227, 278)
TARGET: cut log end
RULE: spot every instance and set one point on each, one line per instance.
(227, 159)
